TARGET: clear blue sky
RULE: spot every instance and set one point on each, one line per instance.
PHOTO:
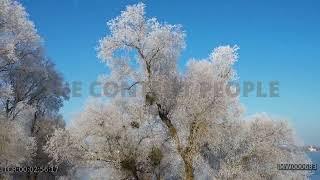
(279, 40)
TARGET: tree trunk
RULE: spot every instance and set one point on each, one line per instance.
(7, 109)
(33, 125)
(188, 169)
(187, 158)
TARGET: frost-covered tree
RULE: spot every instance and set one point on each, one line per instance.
(25, 72)
(17, 38)
(31, 90)
(17, 34)
(178, 125)
(115, 135)
(16, 146)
